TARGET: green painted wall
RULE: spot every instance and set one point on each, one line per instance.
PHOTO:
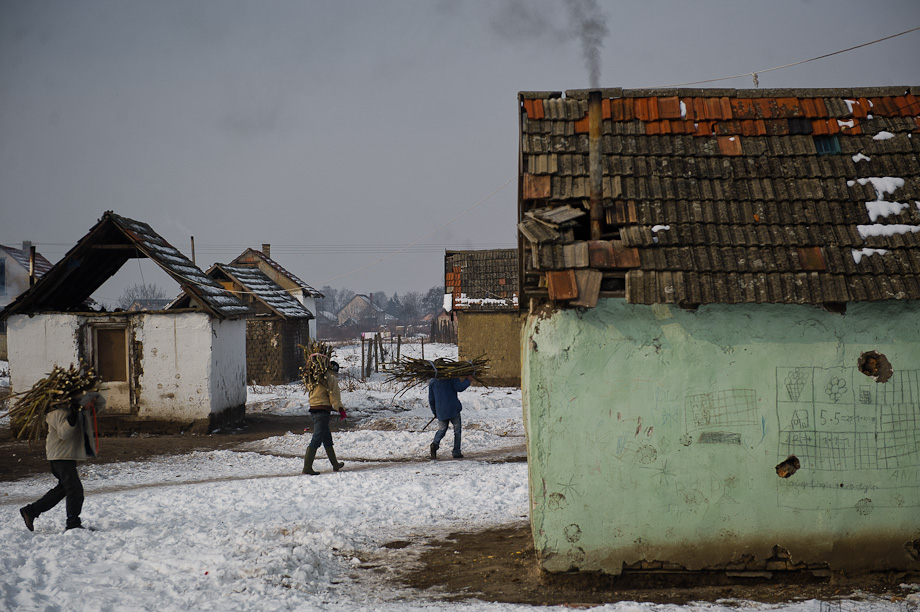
(654, 432)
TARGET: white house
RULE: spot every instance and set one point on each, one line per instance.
(176, 368)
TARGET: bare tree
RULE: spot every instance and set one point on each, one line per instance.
(413, 304)
(140, 293)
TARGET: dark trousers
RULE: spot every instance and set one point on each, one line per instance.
(321, 434)
(68, 486)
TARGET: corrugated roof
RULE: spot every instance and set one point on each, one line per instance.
(265, 290)
(102, 252)
(484, 279)
(727, 196)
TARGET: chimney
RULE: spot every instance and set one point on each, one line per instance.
(267, 249)
(30, 249)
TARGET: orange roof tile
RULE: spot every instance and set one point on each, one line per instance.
(538, 109)
(820, 107)
(729, 145)
(528, 107)
(819, 127)
(808, 105)
(641, 105)
(605, 108)
(743, 108)
(653, 127)
(726, 105)
(713, 109)
(914, 108)
(789, 107)
(766, 108)
(669, 108)
(704, 128)
(582, 126)
(698, 109)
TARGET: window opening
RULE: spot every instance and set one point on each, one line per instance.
(827, 145)
(2, 277)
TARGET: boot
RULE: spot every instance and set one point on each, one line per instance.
(308, 462)
(336, 464)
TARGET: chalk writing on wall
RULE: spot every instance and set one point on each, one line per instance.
(721, 409)
(853, 437)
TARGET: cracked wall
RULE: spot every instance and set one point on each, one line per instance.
(657, 435)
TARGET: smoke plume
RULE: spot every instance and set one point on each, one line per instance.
(589, 25)
(542, 22)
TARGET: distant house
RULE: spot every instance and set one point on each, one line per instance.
(304, 293)
(18, 270)
(179, 368)
(279, 325)
(361, 311)
(482, 290)
(720, 358)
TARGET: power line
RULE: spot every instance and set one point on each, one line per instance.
(431, 233)
(756, 72)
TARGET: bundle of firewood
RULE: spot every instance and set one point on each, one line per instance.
(57, 390)
(316, 358)
(410, 371)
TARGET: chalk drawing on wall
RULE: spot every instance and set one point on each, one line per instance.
(851, 437)
(731, 407)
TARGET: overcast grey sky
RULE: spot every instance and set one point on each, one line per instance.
(340, 131)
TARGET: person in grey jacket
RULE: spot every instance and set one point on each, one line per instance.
(71, 438)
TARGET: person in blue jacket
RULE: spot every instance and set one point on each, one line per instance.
(446, 407)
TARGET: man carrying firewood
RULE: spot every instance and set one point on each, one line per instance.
(446, 407)
(71, 438)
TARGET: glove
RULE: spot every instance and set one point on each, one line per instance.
(342, 414)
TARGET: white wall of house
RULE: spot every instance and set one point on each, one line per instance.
(16, 279)
(191, 365)
(175, 382)
(309, 302)
(36, 344)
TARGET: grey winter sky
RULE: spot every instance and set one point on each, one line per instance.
(341, 131)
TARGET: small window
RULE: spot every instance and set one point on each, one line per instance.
(2, 277)
(827, 145)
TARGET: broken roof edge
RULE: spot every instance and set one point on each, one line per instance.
(619, 92)
(229, 271)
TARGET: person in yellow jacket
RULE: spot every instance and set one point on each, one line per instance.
(71, 438)
(325, 397)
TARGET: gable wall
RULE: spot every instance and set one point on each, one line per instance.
(497, 335)
(653, 434)
(17, 279)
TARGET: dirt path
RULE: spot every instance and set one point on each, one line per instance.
(494, 565)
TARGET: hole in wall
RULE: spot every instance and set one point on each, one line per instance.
(788, 467)
(875, 365)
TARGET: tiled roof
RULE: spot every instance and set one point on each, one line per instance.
(251, 255)
(21, 256)
(722, 196)
(482, 280)
(265, 290)
(102, 252)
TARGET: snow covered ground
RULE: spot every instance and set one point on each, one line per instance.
(244, 530)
